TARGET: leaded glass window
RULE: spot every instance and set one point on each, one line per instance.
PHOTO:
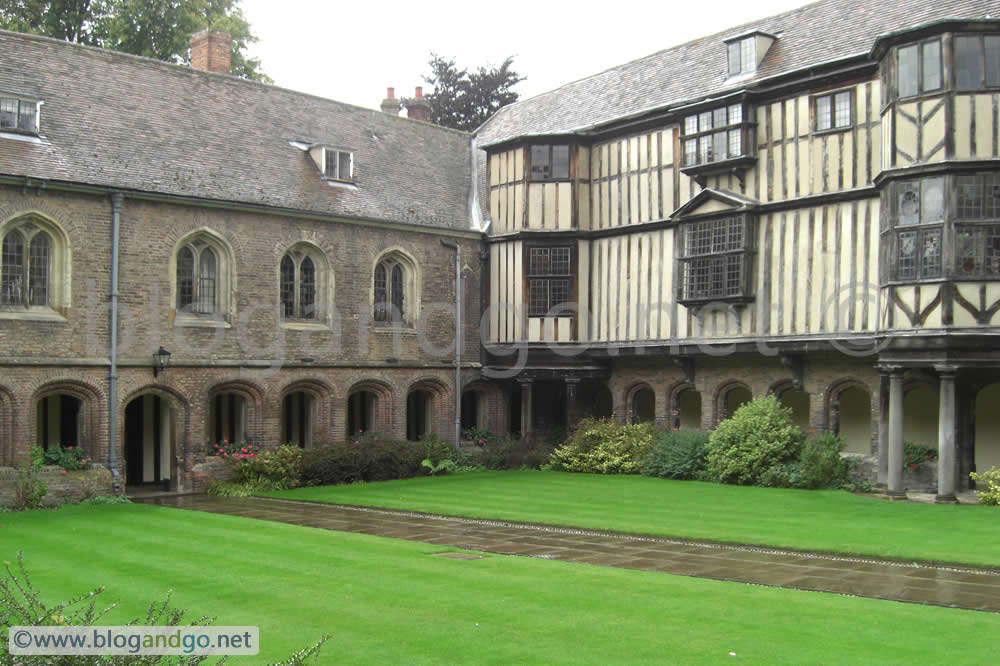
(715, 259)
(391, 282)
(26, 267)
(550, 279)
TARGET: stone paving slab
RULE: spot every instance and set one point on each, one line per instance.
(956, 586)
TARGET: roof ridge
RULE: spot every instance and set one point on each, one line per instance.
(232, 78)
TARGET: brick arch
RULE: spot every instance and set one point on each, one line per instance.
(442, 404)
(630, 394)
(91, 402)
(496, 404)
(252, 393)
(324, 398)
(184, 445)
(385, 405)
(8, 412)
(722, 392)
(673, 396)
(50, 210)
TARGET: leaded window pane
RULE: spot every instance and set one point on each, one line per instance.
(540, 167)
(906, 71)
(691, 125)
(307, 289)
(968, 63)
(992, 60)
(287, 287)
(735, 143)
(931, 62)
(558, 292)
(12, 280)
(344, 165)
(932, 195)
(735, 114)
(538, 261)
(8, 113)
(992, 254)
(705, 149)
(538, 297)
(38, 272)
(185, 278)
(206, 281)
(381, 294)
(823, 115)
(719, 140)
(560, 162)
(969, 247)
(991, 196)
(748, 54)
(969, 197)
(560, 261)
(909, 203)
(907, 266)
(719, 118)
(691, 151)
(842, 109)
(931, 261)
(704, 121)
(396, 293)
(734, 58)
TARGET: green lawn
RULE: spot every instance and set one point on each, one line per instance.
(811, 520)
(388, 601)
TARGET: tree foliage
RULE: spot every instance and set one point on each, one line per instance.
(158, 29)
(464, 100)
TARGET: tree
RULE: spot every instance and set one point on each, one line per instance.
(158, 29)
(463, 100)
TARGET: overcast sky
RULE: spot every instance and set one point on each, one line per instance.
(353, 51)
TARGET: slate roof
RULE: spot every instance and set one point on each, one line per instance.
(819, 33)
(121, 121)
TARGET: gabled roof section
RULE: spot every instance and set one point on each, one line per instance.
(712, 202)
(814, 35)
(131, 123)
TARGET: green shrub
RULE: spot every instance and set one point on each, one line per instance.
(107, 499)
(371, 458)
(758, 436)
(915, 455)
(29, 489)
(676, 454)
(528, 452)
(70, 458)
(241, 488)
(820, 464)
(991, 478)
(278, 469)
(604, 447)
(21, 605)
(479, 436)
(437, 450)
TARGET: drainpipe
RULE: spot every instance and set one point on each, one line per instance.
(458, 340)
(116, 209)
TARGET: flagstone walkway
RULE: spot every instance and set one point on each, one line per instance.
(955, 586)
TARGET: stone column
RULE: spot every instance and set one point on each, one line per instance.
(946, 435)
(894, 477)
(572, 414)
(527, 413)
(883, 430)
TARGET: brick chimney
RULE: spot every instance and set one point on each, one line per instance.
(418, 108)
(212, 51)
(390, 104)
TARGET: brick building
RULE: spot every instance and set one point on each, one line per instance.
(806, 205)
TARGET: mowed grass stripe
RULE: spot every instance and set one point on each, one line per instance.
(833, 521)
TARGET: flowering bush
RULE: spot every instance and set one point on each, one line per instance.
(70, 458)
(914, 455)
(601, 446)
(227, 449)
(991, 479)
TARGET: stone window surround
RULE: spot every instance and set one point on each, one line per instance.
(60, 270)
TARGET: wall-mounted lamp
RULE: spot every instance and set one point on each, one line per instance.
(161, 359)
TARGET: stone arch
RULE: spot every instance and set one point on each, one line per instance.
(372, 410)
(89, 419)
(640, 403)
(682, 400)
(845, 414)
(795, 398)
(178, 459)
(61, 263)
(252, 396)
(727, 401)
(412, 282)
(492, 405)
(305, 412)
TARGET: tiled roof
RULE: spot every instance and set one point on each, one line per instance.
(121, 121)
(819, 33)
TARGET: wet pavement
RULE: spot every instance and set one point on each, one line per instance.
(954, 586)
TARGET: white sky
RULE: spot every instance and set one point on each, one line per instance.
(352, 51)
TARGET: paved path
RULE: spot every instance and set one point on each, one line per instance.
(955, 586)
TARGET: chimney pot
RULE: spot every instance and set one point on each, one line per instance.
(419, 108)
(212, 51)
(420, 92)
(390, 93)
(390, 104)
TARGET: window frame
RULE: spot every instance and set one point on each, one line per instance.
(337, 154)
(743, 127)
(298, 258)
(551, 178)
(22, 102)
(224, 281)
(832, 96)
(716, 260)
(534, 275)
(984, 70)
(740, 47)
(402, 295)
(58, 262)
(919, 74)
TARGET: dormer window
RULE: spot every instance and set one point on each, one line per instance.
(747, 51)
(339, 164)
(19, 115)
